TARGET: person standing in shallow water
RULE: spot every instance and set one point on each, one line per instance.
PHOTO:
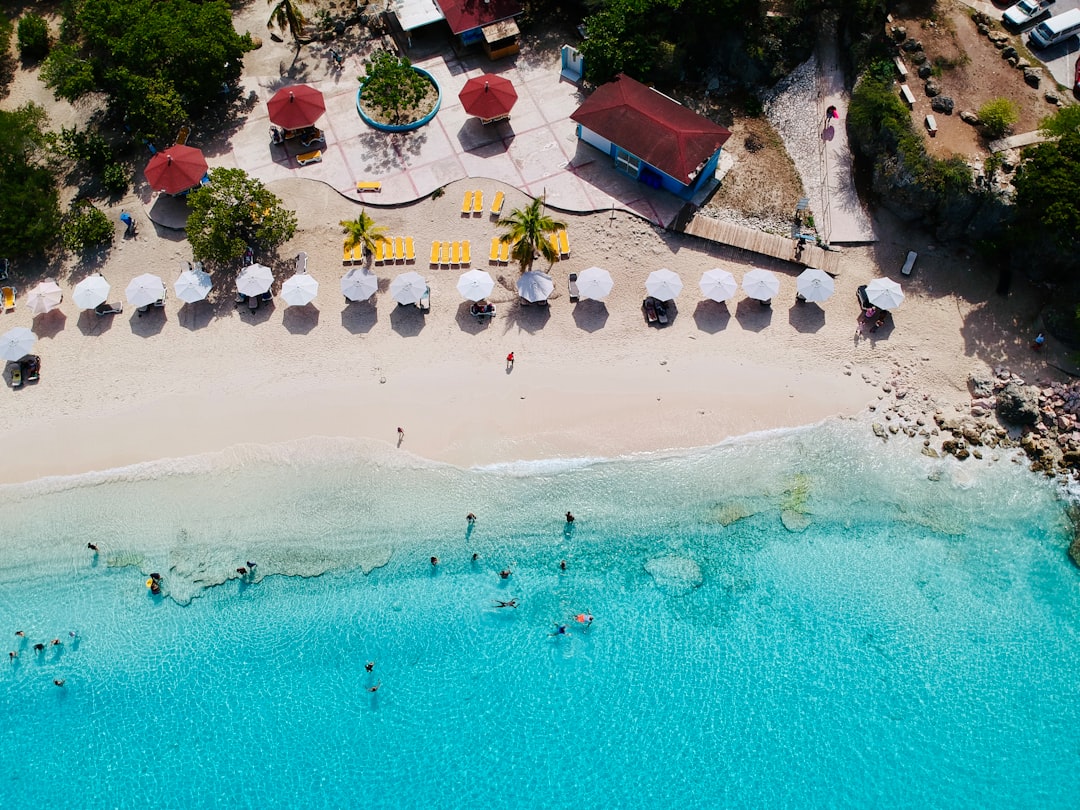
(569, 517)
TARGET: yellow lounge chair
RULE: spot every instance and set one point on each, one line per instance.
(399, 249)
(444, 254)
(497, 203)
(9, 298)
(410, 254)
(309, 157)
(368, 185)
(564, 243)
(182, 135)
(493, 257)
(455, 253)
(478, 203)
(504, 252)
(435, 247)
(466, 258)
(466, 204)
(346, 253)
(553, 238)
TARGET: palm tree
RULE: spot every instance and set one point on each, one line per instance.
(527, 230)
(363, 231)
(287, 14)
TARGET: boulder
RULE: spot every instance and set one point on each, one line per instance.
(942, 104)
(981, 385)
(1052, 97)
(1018, 404)
(898, 33)
(1023, 63)
(1033, 76)
(925, 71)
(918, 57)
(983, 29)
(1009, 53)
(933, 88)
(969, 117)
(996, 36)
(912, 45)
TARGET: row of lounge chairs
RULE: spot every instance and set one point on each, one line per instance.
(396, 249)
(473, 203)
(449, 254)
(560, 241)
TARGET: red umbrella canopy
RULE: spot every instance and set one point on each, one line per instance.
(296, 106)
(488, 96)
(176, 169)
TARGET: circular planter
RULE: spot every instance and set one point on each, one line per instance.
(403, 127)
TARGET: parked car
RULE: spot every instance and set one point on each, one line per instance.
(1026, 13)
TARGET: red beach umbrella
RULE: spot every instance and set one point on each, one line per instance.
(296, 106)
(176, 169)
(488, 96)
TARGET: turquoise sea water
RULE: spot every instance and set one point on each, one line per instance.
(805, 619)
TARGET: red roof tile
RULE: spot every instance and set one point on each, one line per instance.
(465, 15)
(662, 132)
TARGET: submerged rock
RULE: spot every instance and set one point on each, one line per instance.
(675, 576)
(795, 521)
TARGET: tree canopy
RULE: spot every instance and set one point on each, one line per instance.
(232, 212)
(29, 206)
(1048, 194)
(160, 61)
(527, 229)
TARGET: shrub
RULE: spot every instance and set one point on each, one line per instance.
(997, 116)
(33, 37)
(85, 227)
(115, 178)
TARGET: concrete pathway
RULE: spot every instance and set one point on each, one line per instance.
(1017, 141)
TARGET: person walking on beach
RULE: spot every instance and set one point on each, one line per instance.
(509, 361)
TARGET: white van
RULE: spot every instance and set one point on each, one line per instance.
(1056, 29)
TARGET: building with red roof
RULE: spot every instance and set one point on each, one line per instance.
(651, 137)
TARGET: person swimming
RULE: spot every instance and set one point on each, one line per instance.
(375, 688)
(434, 561)
(39, 647)
(91, 546)
(569, 517)
(504, 574)
(584, 618)
(59, 681)
(242, 571)
(370, 665)
(560, 630)
(512, 603)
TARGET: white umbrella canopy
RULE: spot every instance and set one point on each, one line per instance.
(357, 285)
(192, 285)
(594, 283)
(760, 284)
(45, 297)
(475, 285)
(408, 288)
(255, 279)
(144, 290)
(535, 286)
(16, 343)
(663, 284)
(814, 285)
(717, 284)
(91, 291)
(884, 293)
(299, 290)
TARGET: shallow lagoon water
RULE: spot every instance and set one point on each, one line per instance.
(799, 619)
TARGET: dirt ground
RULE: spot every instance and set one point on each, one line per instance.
(972, 73)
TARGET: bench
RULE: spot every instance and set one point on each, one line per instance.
(901, 68)
(309, 157)
(907, 95)
(931, 125)
(909, 263)
(368, 185)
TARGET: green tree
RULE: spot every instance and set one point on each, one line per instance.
(29, 206)
(620, 40)
(33, 37)
(1048, 195)
(85, 227)
(997, 116)
(364, 232)
(286, 14)
(1064, 121)
(232, 212)
(527, 230)
(392, 86)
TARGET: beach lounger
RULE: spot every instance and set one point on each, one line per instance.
(368, 185)
(504, 252)
(649, 305)
(301, 262)
(564, 243)
(399, 249)
(497, 203)
(553, 238)
(466, 203)
(311, 137)
(455, 253)
(435, 248)
(16, 377)
(105, 308)
(571, 283)
(661, 313)
(9, 298)
(466, 256)
(309, 157)
(31, 368)
(493, 257)
(346, 254)
(909, 263)
(410, 252)
(182, 135)
(478, 203)
(444, 253)
(424, 304)
(253, 302)
(161, 301)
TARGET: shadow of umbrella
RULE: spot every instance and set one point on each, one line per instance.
(50, 324)
(195, 316)
(590, 316)
(530, 318)
(90, 323)
(359, 317)
(149, 323)
(712, 316)
(407, 320)
(301, 320)
(467, 322)
(752, 316)
(806, 318)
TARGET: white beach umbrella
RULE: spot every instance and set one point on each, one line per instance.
(535, 286)
(91, 291)
(299, 290)
(475, 285)
(255, 279)
(358, 285)
(594, 283)
(16, 343)
(884, 293)
(144, 290)
(192, 285)
(717, 284)
(663, 284)
(45, 297)
(814, 285)
(408, 288)
(760, 284)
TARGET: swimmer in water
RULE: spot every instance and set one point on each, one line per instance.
(242, 571)
(434, 560)
(504, 574)
(56, 642)
(59, 681)
(470, 518)
(560, 630)
(375, 688)
(585, 618)
(569, 517)
(370, 665)
(91, 546)
(562, 565)
(20, 633)
(39, 647)
(513, 603)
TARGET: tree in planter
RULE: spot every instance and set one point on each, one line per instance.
(232, 212)
(364, 232)
(286, 14)
(528, 229)
(392, 86)
(997, 116)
